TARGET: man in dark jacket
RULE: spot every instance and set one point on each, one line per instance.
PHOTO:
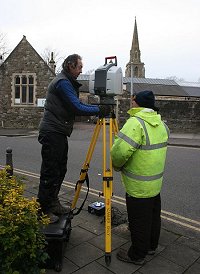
(61, 106)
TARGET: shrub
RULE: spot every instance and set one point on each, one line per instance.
(22, 243)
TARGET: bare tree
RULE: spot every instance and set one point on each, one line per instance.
(47, 56)
(3, 47)
(89, 72)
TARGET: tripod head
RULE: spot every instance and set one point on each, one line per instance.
(106, 111)
(102, 100)
(107, 100)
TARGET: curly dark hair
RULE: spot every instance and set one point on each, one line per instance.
(71, 60)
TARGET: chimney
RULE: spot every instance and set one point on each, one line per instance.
(1, 59)
(52, 63)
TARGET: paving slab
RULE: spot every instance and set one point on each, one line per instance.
(167, 237)
(77, 221)
(123, 231)
(83, 254)
(93, 268)
(97, 228)
(194, 269)
(99, 241)
(190, 242)
(180, 254)
(148, 257)
(119, 267)
(159, 249)
(68, 268)
(161, 265)
(80, 235)
(180, 230)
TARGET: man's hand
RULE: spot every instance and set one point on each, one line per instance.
(104, 110)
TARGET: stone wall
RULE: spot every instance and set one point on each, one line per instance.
(22, 118)
(180, 115)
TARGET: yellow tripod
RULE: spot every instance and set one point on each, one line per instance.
(107, 175)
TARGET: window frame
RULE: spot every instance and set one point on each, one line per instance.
(25, 88)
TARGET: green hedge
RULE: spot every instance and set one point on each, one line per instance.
(22, 243)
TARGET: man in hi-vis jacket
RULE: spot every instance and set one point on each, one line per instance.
(139, 152)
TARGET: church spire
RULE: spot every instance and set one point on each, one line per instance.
(135, 45)
(135, 57)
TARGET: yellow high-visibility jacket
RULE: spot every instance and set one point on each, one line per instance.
(139, 152)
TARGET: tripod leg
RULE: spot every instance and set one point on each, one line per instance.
(115, 126)
(107, 193)
(107, 183)
(86, 164)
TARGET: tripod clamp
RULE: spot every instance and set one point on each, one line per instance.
(81, 182)
(108, 179)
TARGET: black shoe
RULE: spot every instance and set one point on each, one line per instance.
(58, 209)
(151, 252)
(52, 217)
(123, 256)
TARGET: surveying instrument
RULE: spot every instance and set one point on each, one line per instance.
(105, 83)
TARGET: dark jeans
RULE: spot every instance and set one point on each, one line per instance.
(54, 167)
(145, 223)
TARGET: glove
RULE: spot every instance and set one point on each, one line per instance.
(104, 110)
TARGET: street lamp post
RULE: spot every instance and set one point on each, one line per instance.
(131, 95)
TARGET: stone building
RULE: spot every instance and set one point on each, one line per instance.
(24, 78)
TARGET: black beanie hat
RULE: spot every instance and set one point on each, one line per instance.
(146, 99)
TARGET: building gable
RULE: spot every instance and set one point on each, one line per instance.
(24, 78)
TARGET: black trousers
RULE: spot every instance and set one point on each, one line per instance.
(54, 154)
(145, 223)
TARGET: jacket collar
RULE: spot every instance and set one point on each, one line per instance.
(73, 80)
(133, 111)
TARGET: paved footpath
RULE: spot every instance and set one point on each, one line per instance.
(178, 251)
(84, 253)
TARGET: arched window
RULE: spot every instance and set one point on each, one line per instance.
(136, 72)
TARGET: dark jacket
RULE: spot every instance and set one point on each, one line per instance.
(62, 104)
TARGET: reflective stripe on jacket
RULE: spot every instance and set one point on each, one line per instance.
(139, 151)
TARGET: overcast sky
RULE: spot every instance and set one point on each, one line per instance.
(168, 30)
